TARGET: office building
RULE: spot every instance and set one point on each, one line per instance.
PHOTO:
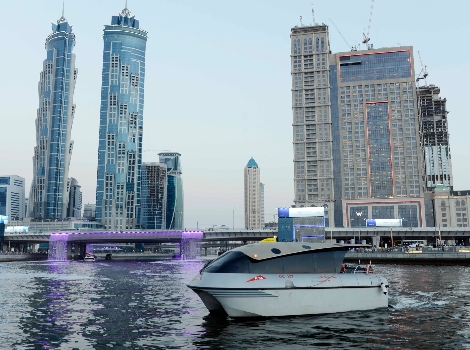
(434, 134)
(12, 197)
(254, 197)
(74, 209)
(174, 190)
(121, 119)
(48, 196)
(154, 182)
(356, 132)
(89, 212)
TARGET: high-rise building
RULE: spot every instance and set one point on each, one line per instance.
(174, 190)
(154, 182)
(49, 196)
(434, 134)
(74, 209)
(89, 212)
(356, 136)
(121, 119)
(254, 197)
(12, 196)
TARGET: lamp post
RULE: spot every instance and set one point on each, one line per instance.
(233, 218)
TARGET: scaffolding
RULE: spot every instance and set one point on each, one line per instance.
(434, 137)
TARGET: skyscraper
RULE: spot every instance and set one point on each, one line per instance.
(434, 134)
(49, 196)
(12, 196)
(254, 196)
(74, 209)
(154, 182)
(121, 123)
(174, 190)
(356, 136)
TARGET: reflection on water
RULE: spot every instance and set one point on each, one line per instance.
(146, 305)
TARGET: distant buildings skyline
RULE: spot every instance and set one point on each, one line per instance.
(52, 154)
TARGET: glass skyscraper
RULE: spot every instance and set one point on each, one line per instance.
(49, 193)
(174, 190)
(356, 135)
(121, 123)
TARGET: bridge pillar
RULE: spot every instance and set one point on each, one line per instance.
(375, 241)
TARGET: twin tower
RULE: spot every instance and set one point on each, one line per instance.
(119, 176)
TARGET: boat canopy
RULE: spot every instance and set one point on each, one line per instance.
(268, 250)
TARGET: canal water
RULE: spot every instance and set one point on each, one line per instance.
(146, 305)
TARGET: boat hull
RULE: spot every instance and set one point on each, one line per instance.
(276, 296)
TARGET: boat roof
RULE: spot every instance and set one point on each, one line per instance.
(267, 250)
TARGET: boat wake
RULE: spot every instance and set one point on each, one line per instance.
(419, 301)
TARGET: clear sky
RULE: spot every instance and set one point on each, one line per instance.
(217, 85)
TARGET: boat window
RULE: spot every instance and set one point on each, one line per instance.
(299, 263)
(275, 266)
(276, 251)
(325, 262)
(231, 262)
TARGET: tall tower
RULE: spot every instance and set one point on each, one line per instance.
(312, 125)
(253, 196)
(174, 190)
(434, 134)
(49, 193)
(121, 123)
(376, 146)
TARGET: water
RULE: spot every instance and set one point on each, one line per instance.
(146, 305)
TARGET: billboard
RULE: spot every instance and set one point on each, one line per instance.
(384, 222)
(3, 219)
(16, 229)
(300, 212)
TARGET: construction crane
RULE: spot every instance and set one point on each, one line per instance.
(366, 37)
(424, 73)
(353, 48)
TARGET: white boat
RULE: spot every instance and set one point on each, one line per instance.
(288, 278)
(89, 258)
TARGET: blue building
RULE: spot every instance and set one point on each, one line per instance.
(174, 190)
(49, 193)
(121, 118)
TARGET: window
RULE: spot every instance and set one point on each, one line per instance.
(114, 69)
(112, 116)
(124, 79)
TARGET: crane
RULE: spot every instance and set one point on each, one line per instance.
(424, 73)
(366, 37)
(353, 48)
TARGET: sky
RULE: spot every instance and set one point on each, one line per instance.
(218, 87)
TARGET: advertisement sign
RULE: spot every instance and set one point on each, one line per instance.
(300, 212)
(16, 229)
(3, 219)
(384, 222)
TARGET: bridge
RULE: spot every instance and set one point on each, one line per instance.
(369, 234)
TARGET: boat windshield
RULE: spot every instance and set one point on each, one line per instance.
(306, 262)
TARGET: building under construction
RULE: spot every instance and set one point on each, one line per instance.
(434, 137)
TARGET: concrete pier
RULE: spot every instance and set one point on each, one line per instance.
(415, 258)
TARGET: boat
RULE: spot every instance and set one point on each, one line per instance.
(89, 258)
(287, 279)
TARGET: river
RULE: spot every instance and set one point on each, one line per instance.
(146, 305)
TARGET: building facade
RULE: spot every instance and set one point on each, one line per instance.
(12, 197)
(89, 212)
(49, 196)
(434, 132)
(174, 190)
(356, 132)
(254, 199)
(74, 209)
(121, 123)
(451, 208)
(154, 196)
